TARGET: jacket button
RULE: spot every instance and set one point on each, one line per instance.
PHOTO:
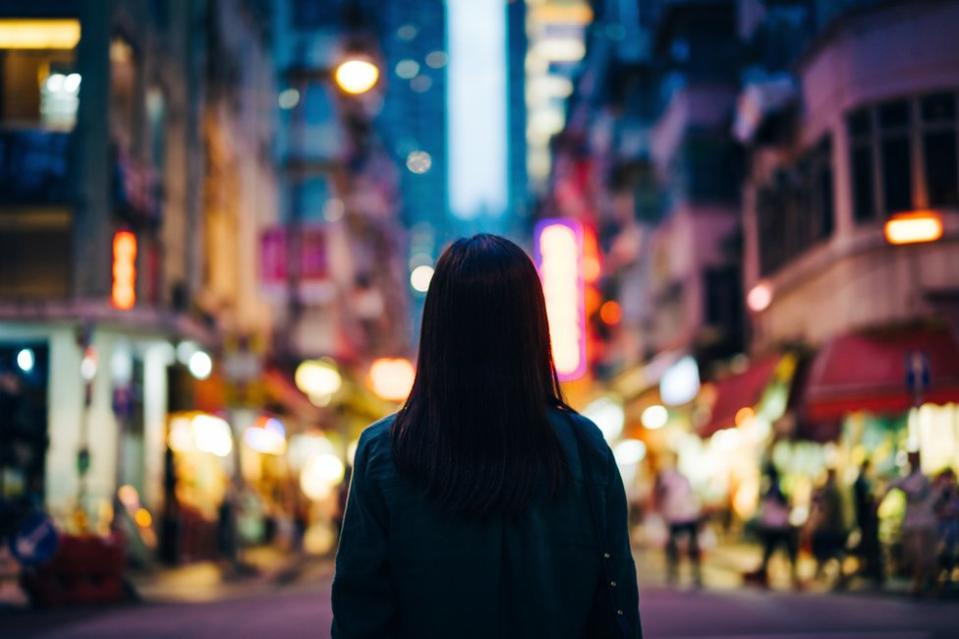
(605, 555)
(613, 584)
(619, 612)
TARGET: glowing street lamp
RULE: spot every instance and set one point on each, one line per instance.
(914, 227)
(356, 75)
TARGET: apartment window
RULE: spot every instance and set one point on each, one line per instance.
(938, 122)
(894, 126)
(904, 155)
(795, 209)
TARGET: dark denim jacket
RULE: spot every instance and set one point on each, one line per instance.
(405, 570)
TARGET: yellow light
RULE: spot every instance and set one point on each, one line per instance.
(356, 75)
(318, 378)
(392, 379)
(320, 475)
(39, 34)
(212, 435)
(914, 227)
(654, 417)
(563, 13)
(181, 436)
(143, 518)
(744, 415)
(561, 49)
(201, 432)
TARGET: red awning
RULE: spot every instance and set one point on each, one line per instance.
(866, 371)
(742, 390)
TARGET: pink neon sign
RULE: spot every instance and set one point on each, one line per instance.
(559, 258)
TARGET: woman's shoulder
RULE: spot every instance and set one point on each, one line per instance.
(374, 442)
(585, 436)
(587, 431)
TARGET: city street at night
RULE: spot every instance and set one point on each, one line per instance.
(418, 319)
(303, 610)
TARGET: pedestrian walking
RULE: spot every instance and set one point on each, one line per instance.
(680, 510)
(947, 511)
(485, 507)
(867, 520)
(828, 531)
(775, 528)
(918, 525)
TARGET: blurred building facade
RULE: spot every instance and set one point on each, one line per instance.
(874, 139)
(846, 139)
(741, 163)
(136, 172)
(646, 158)
(339, 192)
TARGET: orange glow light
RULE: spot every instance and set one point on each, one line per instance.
(124, 294)
(914, 227)
(611, 312)
(38, 34)
(143, 518)
(392, 379)
(744, 415)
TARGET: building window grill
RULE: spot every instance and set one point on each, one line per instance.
(904, 155)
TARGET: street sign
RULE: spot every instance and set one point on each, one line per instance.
(36, 541)
(918, 376)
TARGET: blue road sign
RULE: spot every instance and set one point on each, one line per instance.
(36, 541)
(918, 376)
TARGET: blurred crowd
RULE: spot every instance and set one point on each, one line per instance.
(839, 535)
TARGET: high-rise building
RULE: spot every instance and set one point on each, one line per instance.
(413, 120)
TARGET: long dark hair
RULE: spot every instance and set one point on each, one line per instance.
(474, 430)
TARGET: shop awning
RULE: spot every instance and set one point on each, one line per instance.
(738, 391)
(866, 371)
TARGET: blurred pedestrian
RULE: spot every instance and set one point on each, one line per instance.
(301, 522)
(919, 524)
(828, 531)
(486, 507)
(226, 527)
(775, 528)
(867, 520)
(947, 511)
(680, 510)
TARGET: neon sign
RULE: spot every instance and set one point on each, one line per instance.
(124, 293)
(559, 258)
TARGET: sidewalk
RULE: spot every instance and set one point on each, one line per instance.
(204, 581)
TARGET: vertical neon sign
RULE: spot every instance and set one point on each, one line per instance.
(559, 258)
(124, 292)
